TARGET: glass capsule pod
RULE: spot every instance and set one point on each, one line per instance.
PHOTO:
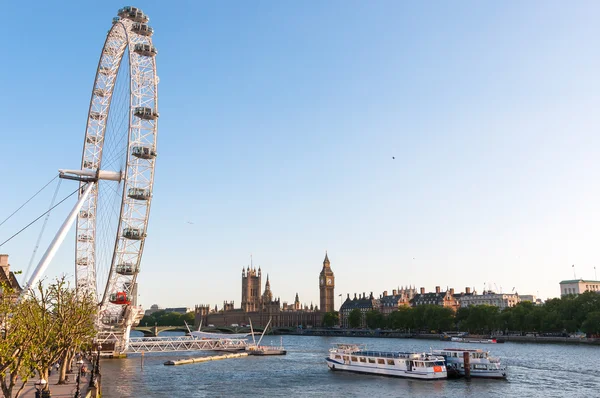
(92, 139)
(134, 14)
(84, 238)
(88, 164)
(97, 115)
(119, 298)
(142, 29)
(105, 70)
(143, 152)
(111, 50)
(111, 320)
(126, 269)
(100, 92)
(139, 193)
(84, 214)
(145, 49)
(115, 20)
(82, 261)
(145, 113)
(134, 233)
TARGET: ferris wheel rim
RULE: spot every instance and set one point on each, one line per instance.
(129, 41)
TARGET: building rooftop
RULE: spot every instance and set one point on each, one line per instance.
(579, 281)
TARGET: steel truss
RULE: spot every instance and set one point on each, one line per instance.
(183, 343)
(129, 32)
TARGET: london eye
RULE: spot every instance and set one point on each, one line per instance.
(116, 177)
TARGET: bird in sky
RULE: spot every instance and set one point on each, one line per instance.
(393, 157)
(189, 222)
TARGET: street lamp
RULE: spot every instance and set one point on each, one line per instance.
(39, 387)
(77, 391)
(95, 367)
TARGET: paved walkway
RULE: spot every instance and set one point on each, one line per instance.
(61, 390)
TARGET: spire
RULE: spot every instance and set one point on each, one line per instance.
(267, 285)
(326, 261)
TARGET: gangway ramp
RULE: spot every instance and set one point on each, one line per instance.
(183, 343)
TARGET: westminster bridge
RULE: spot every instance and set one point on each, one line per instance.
(154, 331)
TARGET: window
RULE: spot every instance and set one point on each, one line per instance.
(381, 361)
(371, 360)
(338, 357)
(362, 359)
(390, 361)
(354, 359)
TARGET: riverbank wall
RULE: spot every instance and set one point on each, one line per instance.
(434, 336)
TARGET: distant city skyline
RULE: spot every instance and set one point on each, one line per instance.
(449, 144)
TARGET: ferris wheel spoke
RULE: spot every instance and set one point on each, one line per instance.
(120, 139)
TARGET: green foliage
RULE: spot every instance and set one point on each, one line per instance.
(355, 318)
(162, 318)
(374, 319)
(559, 315)
(331, 319)
(591, 325)
(42, 327)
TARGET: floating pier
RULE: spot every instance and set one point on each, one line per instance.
(205, 359)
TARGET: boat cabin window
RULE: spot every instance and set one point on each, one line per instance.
(478, 366)
(390, 361)
(354, 359)
(371, 360)
(381, 361)
(362, 359)
(338, 357)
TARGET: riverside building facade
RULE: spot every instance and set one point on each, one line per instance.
(578, 286)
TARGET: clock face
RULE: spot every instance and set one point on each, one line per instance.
(329, 281)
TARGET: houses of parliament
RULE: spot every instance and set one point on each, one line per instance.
(260, 306)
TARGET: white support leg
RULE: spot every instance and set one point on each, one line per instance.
(58, 239)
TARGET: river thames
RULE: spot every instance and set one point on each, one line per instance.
(534, 370)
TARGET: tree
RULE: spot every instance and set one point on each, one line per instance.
(331, 319)
(402, 319)
(59, 320)
(374, 319)
(355, 318)
(16, 366)
(591, 325)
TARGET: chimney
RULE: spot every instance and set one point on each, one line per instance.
(394, 292)
(468, 290)
(364, 295)
(371, 296)
(348, 296)
(354, 296)
(385, 293)
(452, 291)
(422, 290)
(437, 289)
(4, 264)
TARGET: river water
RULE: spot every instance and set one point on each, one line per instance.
(534, 370)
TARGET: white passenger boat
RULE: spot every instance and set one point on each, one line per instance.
(481, 363)
(355, 358)
(469, 340)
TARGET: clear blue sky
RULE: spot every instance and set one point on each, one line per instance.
(279, 121)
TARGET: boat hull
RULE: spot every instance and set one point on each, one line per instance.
(267, 352)
(483, 374)
(335, 366)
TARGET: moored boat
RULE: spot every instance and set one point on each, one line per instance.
(472, 340)
(481, 363)
(355, 358)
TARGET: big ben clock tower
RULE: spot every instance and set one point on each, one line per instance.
(326, 286)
